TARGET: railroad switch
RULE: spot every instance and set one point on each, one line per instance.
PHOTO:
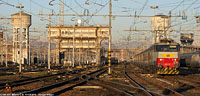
(8, 89)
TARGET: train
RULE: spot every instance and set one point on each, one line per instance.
(160, 58)
(191, 60)
(114, 60)
(187, 39)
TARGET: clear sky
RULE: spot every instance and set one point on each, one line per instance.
(123, 7)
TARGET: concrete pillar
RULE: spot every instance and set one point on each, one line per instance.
(65, 57)
(157, 36)
(54, 59)
(153, 37)
(27, 45)
(57, 52)
(14, 30)
(98, 53)
(1, 43)
(98, 56)
(181, 50)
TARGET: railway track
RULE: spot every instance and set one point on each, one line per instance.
(147, 85)
(18, 83)
(120, 89)
(184, 83)
(62, 87)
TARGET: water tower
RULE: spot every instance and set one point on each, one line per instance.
(24, 22)
(160, 25)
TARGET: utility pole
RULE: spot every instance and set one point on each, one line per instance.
(49, 44)
(38, 47)
(1, 45)
(109, 45)
(154, 34)
(164, 33)
(6, 47)
(49, 40)
(1, 42)
(73, 47)
(20, 41)
(61, 12)
(29, 48)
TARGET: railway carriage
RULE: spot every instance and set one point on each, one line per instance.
(160, 58)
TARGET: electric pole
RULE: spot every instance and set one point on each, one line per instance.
(73, 47)
(29, 48)
(1, 42)
(109, 45)
(6, 47)
(49, 44)
(154, 34)
(20, 40)
(61, 12)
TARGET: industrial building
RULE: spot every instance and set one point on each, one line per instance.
(78, 44)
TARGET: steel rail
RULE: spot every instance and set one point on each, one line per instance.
(195, 83)
(20, 82)
(166, 91)
(46, 88)
(191, 84)
(134, 83)
(125, 88)
(89, 76)
(35, 79)
(84, 78)
(115, 90)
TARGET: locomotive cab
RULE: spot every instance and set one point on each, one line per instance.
(167, 57)
(160, 58)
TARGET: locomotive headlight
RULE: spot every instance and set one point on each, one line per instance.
(174, 60)
(161, 59)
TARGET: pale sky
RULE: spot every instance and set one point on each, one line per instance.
(120, 7)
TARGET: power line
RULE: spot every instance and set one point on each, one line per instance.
(39, 4)
(190, 5)
(178, 5)
(7, 3)
(135, 19)
(79, 4)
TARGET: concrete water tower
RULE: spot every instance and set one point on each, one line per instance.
(160, 25)
(21, 20)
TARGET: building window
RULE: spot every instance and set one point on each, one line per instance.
(63, 32)
(53, 33)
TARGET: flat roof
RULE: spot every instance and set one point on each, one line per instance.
(79, 26)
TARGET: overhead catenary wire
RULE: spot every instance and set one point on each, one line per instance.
(7, 3)
(190, 5)
(178, 5)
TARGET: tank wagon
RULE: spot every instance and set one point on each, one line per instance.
(187, 39)
(190, 60)
(160, 58)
